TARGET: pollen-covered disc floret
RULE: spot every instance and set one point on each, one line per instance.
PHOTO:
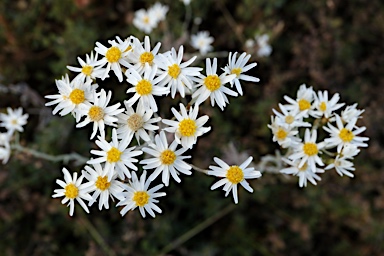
(233, 175)
(73, 189)
(187, 127)
(167, 160)
(138, 194)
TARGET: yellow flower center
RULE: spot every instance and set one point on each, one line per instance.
(281, 134)
(102, 183)
(236, 71)
(87, 70)
(323, 106)
(71, 191)
(141, 198)
(144, 87)
(289, 119)
(212, 82)
(310, 149)
(235, 174)
(167, 157)
(113, 155)
(113, 54)
(146, 20)
(14, 121)
(304, 104)
(96, 113)
(135, 122)
(174, 71)
(77, 96)
(187, 127)
(346, 135)
(146, 57)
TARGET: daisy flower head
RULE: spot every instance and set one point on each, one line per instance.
(290, 118)
(238, 67)
(304, 172)
(113, 57)
(342, 165)
(177, 76)
(308, 151)
(202, 42)
(233, 175)
(212, 86)
(187, 127)
(99, 113)
(345, 134)
(167, 160)
(141, 56)
(145, 87)
(138, 194)
(5, 149)
(72, 95)
(116, 156)
(158, 12)
(350, 113)
(283, 134)
(265, 48)
(88, 70)
(145, 20)
(73, 188)
(14, 120)
(103, 186)
(303, 101)
(139, 123)
(325, 107)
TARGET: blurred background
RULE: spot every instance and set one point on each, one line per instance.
(331, 45)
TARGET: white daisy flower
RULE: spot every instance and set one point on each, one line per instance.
(167, 160)
(103, 186)
(342, 166)
(138, 195)
(350, 151)
(325, 107)
(350, 113)
(99, 113)
(202, 42)
(113, 57)
(138, 123)
(158, 12)
(303, 101)
(232, 175)
(344, 135)
(177, 76)
(72, 96)
(140, 56)
(72, 188)
(307, 152)
(290, 118)
(145, 87)
(283, 134)
(116, 155)
(187, 128)
(88, 70)
(263, 43)
(238, 67)
(14, 120)
(305, 172)
(212, 86)
(144, 21)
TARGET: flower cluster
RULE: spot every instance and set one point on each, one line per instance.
(308, 118)
(147, 20)
(13, 121)
(112, 170)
